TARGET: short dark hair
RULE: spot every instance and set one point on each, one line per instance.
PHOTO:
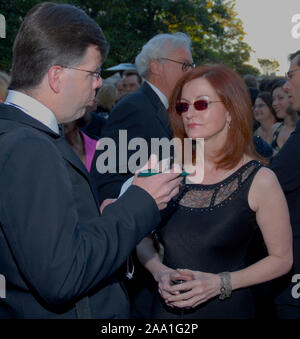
(52, 34)
(294, 55)
(276, 84)
(250, 80)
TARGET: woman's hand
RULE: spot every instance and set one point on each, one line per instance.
(166, 279)
(198, 288)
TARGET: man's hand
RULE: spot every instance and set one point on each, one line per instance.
(162, 187)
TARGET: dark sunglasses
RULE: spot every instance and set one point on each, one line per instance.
(200, 105)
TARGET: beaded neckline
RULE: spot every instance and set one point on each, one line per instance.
(228, 179)
(208, 197)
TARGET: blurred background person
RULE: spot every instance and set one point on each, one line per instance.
(265, 115)
(252, 84)
(83, 145)
(105, 100)
(119, 87)
(286, 165)
(285, 112)
(131, 82)
(266, 83)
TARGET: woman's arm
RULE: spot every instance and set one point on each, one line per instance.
(149, 257)
(268, 201)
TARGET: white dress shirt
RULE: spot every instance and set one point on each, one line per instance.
(33, 108)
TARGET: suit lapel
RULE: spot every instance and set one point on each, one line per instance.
(160, 111)
(68, 154)
(13, 115)
(163, 117)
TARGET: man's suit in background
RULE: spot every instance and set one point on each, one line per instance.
(141, 114)
(286, 165)
(55, 248)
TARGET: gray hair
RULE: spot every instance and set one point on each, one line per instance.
(160, 46)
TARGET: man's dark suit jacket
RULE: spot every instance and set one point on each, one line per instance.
(143, 115)
(55, 248)
(286, 165)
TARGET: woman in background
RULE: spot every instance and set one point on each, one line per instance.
(284, 111)
(265, 115)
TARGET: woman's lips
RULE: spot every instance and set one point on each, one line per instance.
(193, 125)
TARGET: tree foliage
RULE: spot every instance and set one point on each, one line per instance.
(269, 67)
(213, 26)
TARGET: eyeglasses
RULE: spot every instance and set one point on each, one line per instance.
(290, 73)
(96, 74)
(199, 105)
(185, 65)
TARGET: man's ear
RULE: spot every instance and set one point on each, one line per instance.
(55, 77)
(155, 67)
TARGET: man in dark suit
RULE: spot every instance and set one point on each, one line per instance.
(286, 165)
(143, 114)
(57, 254)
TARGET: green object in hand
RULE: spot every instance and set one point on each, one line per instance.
(149, 173)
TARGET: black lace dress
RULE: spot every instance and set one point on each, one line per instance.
(210, 230)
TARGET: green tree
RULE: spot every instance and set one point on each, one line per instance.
(14, 12)
(269, 67)
(213, 25)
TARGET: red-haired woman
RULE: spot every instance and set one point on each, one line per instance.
(207, 236)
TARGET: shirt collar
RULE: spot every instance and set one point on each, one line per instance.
(161, 96)
(33, 108)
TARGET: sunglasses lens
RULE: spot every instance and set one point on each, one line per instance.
(200, 105)
(182, 107)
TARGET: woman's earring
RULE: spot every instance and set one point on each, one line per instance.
(229, 123)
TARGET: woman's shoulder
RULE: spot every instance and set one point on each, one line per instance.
(265, 176)
(264, 182)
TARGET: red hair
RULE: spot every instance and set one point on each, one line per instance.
(235, 96)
